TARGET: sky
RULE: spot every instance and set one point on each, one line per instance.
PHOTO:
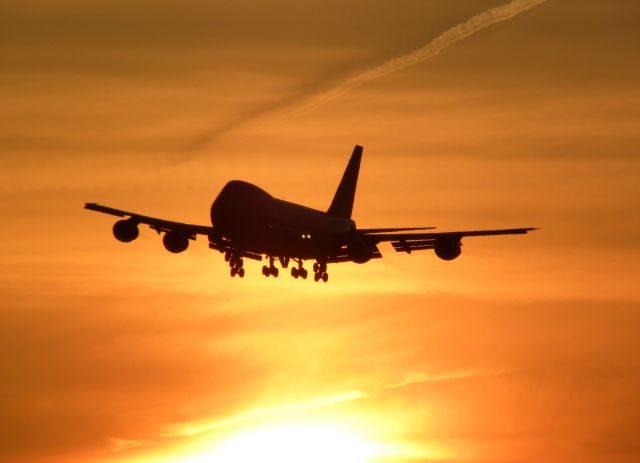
(524, 349)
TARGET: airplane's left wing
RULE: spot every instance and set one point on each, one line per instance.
(176, 234)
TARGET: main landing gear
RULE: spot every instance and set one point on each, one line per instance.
(319, 269)
(271, 269)
(236, 264)
(320, 272)
(299, 271)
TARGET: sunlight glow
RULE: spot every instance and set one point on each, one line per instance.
(292, 443)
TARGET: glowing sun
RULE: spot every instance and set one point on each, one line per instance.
(292, 443)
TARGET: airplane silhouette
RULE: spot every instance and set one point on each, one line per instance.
(247, 222)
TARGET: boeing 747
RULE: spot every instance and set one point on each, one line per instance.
(249, 223)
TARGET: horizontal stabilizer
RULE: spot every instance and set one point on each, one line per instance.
(365, 231)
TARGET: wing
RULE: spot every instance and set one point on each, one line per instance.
(407, 242)
(160, 225)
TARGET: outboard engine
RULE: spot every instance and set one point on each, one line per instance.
(447, 248)
(125, 230)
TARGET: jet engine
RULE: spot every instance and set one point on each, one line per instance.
(360, 251)
(125, 230)
(175, 242)
(447, 248)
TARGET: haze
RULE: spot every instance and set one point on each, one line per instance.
(524, 349)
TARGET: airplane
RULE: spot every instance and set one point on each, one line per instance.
(249, 223)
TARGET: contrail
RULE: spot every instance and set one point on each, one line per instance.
(311, 101)
(447, 38)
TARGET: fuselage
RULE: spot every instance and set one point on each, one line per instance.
(255, 220)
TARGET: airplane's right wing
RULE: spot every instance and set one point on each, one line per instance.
(160, 225)
(176, 234)
(447, 245)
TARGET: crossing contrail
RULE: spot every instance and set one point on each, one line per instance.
(447, 38)
(307, 101)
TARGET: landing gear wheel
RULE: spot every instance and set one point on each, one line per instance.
(240, 272)
(274, 271)
(233, 272)
(304, 273)
(316, 276)
(316, 267)
(295, 273)
(227, 256)
(325, 277)
(265, 270)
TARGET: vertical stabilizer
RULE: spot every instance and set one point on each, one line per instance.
(342, 204)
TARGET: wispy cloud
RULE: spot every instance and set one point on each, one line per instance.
(419, 377)
(192, 429)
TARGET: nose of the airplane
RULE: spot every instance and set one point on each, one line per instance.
(219, 210)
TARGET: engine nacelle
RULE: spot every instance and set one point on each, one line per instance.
(125, 230)
(360, 251)
(447, 248)
(175, 242)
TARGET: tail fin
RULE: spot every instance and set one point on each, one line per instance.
(342, 204)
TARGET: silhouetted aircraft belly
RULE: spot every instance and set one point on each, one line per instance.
(247, 222)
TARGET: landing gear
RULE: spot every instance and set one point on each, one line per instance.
(320, 272)
(236, 264)
(299, 271)
(236, 267)
(237, 271)
(271, 269)
(268, 271)
(324, 276)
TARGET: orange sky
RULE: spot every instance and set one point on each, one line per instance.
(525, 349)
